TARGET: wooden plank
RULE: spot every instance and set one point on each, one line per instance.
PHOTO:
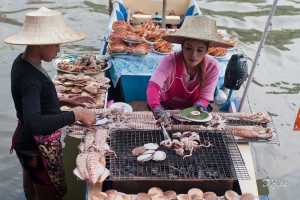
(248, 185)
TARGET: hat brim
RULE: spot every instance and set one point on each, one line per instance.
(212, 42)
(43, 38)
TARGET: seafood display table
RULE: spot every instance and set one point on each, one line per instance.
(133, 72)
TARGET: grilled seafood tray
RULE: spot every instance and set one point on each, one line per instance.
(211, 169)
(272, 140)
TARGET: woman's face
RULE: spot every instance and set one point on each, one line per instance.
(193, 52)
(49, 52)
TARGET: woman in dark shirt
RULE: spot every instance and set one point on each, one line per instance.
(37, 104)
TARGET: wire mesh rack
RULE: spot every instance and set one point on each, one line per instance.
(222, 161)
(273, 140)
(230, 122)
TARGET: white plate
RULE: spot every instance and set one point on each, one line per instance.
(152, 43)
(163, 53)
(71, 58)
(98, 121)
(136, 54)
(126, 106)
(199, 120)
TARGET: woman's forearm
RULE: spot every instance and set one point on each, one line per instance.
(153, 95)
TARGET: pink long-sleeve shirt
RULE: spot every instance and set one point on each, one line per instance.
(165, 73)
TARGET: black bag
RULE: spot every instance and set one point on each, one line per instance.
(236, 72)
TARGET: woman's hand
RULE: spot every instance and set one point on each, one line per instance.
(85, 116)
(201, 107)
(77, 101)
(161, 116)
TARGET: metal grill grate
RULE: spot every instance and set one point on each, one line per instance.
(273, 140)
(223, 161)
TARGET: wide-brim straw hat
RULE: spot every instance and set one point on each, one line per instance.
(42, 27)
(199, 28)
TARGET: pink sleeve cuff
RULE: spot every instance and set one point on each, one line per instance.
(203, 102)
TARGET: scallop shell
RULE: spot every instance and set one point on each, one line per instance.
(149, 151)
(152, 146)
(144, 157)
(138, 150)
(159, 156)
(195, 193)
(155, 191)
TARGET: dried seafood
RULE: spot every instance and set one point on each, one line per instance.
(90, 161)
(89, 63)
(259, 117)
(71, 85)
(217, 51)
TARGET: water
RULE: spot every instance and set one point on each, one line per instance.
(275, 87)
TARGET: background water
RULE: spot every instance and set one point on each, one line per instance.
(275, 87)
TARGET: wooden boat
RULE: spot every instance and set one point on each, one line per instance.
(133, 86)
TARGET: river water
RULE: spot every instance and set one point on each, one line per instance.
(274, 89)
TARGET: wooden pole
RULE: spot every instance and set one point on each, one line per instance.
(110, 6)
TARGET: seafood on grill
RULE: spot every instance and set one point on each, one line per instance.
(256, 132)
(149, 152)
(188, 141)
(259, 117)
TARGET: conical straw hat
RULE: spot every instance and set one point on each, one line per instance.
(44, 26)
(199, 28)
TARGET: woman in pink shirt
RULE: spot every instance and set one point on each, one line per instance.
(189, 77)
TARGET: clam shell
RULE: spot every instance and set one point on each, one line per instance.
(150, 151)
(143, 196)
(170, 194)
(183, 197)
(144, 157)
(231, 195)
(210, 196)
(138, 150)
(159, 156)
(155, 191)
(152, 146)
(68, 83)
(247, 196)
(195, 192)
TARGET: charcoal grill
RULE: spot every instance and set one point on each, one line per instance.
(211, 169)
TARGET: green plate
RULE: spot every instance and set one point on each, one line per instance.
(204, 116)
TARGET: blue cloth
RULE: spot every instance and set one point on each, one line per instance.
(128, 64)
